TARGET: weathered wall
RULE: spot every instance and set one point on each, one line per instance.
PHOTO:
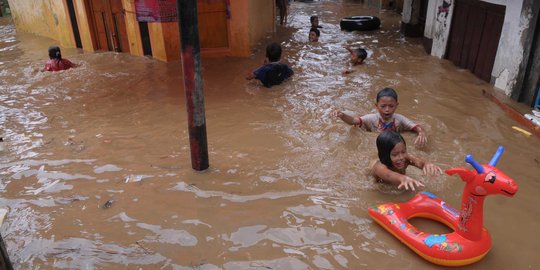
(406, 15)
(251, 21)
(430, 19)
(49, 18)
(260, 24)
(510, 50)
(444, 10)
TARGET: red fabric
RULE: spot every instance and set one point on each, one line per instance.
(56, 65)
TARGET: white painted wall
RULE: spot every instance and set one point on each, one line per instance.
(510, 49)
(430, 19)
(441, 30)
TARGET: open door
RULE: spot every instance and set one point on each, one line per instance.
(109, 25)
(74, 25)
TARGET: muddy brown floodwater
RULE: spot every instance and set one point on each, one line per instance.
(96, 171)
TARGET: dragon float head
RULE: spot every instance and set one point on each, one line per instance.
(486, 179)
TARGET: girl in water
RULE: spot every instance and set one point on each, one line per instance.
(394, 160)
(56, 62)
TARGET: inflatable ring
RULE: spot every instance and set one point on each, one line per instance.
(360, 23)
(470, 241)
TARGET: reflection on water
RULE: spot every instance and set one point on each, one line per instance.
(96, 170)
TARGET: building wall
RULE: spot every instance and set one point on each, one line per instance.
(135, 43)
(239, 41)
(49, 18)
(444, 10)
(260, 24)
(84, 27)
(250, 22)
(510, 50)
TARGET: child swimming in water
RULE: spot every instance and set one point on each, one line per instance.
(394, 160)
(56, 62)
(314, 35)
(272, 72)
(386, 118)
(358, 55)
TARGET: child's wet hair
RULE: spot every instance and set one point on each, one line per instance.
(313, 18)
(316, 31)
(387, 92)
(273, 52)
(54, 52)
(386, 141)
(361, 53)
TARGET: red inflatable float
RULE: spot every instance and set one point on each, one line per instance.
(470, 241)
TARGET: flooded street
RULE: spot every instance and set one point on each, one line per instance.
(96, 170)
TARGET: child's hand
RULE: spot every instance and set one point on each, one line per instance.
(250, 76)
(408, 182)
(431, 169)
(421, 140)
(337, 113)
(348, 71)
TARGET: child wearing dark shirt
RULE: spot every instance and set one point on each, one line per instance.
(272, 72)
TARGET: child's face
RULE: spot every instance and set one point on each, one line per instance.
(315, 22)
(355, 60)
(313, 37)
(398, 156)
(386, 107)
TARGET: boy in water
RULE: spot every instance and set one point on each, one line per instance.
(358, 55)
(272, 72)
(314, 34)
(386, 119)
(314, 22)
(56, 62)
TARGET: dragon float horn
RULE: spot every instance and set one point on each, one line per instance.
(479, 169)
(496, 157)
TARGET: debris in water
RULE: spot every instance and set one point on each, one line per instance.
(108, 204)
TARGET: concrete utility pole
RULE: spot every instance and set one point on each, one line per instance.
(191, 66)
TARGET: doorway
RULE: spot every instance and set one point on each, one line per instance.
(109, 25)
(474, 36)
(145, 38)
(74, 25)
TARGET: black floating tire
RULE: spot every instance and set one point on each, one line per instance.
(360, 23)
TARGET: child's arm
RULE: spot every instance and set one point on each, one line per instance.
(428, 168)
(349, 119)
(421, 139)
(348, 48)
(382, 172)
